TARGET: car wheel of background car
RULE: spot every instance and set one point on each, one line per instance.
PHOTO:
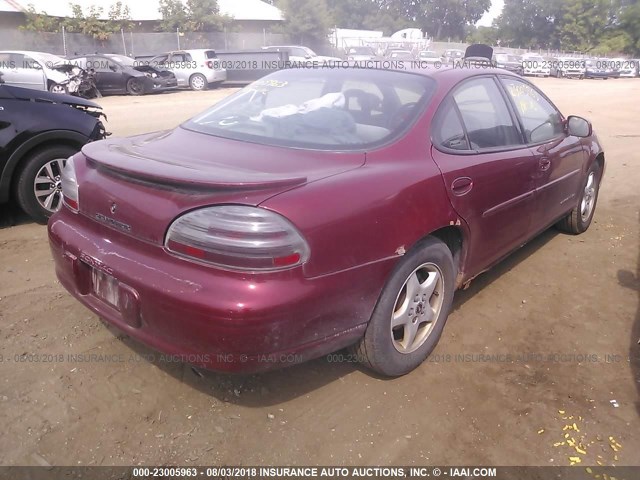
(38, 187)
(198, 82)
(408, 319)
(558, 74)
(135, 87)
(580, 217)
(57, 88)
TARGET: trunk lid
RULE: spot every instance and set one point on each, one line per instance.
(139, 185)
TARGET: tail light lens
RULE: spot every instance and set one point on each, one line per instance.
(238, 238)
(212, 64)
(70, 186)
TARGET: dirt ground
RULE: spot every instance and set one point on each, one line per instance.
(565, 309)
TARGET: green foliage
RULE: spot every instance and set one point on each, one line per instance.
(630, 25)
(367, 15)
(446, 19)
(306, 21)
(39, 21)
(486, 35)
(195, 16)
(529, 23)
(120, 16)
(582, 24)
(588, 26)
(89, 22)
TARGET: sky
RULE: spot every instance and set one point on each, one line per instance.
(492, 14)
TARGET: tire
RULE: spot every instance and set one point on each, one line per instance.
(197, 81)
(41, 207)
(57, 88)
(580, 217)
(427, 270)
(135, 86)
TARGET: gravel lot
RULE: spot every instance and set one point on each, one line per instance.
(565, 309)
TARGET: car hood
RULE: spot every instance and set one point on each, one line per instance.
(19, 93)
(179, 170)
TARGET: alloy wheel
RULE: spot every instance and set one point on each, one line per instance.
(589, 197)
(417, 308)
(47, 185)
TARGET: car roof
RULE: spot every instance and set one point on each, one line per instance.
(29, 52)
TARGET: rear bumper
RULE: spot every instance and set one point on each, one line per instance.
(572, 73)
(207, 317)
(215, 76)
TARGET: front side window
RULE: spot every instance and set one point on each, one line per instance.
(320, 108)
(485, 115)
(540, 119)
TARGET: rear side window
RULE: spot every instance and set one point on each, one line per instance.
(540, 119)
(448, 131)
(210, 54)
(485, 115)
(180, 57)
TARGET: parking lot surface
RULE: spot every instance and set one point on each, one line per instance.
(544, 345)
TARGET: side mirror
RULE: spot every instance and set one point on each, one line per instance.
(578, 126)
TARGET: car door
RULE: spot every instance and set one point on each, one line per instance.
(109, 76)
(31, 73)
(488, 171)
(24, 71)
(560, 157)
(179, 66)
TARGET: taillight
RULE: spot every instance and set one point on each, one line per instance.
(212, 64)
(70, 186)
(237, 237)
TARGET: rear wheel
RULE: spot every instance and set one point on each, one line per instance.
(580, 217)
(39, 185)
(411, 312)
(198, 82)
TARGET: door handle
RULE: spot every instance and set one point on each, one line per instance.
(461, 186)
(545, 164)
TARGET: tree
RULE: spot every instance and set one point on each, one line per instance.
(630, 25)
(120, 17)
(174, 15)
(367, 15)
(583, 23)
(195, 16)
(306, 21)
(441, 19)
(486, 35)
(39, 21)
(529, 23)
(89, 23)
(204, 16)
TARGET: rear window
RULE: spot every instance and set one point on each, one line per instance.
(210, 54)
(320, 108)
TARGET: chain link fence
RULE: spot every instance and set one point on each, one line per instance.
(135, 43)
(138, 44)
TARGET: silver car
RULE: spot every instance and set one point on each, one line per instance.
(40, 71)
(197, 69)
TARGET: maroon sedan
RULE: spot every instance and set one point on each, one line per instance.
(320, 209)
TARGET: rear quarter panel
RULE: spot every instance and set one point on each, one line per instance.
(370, 214)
